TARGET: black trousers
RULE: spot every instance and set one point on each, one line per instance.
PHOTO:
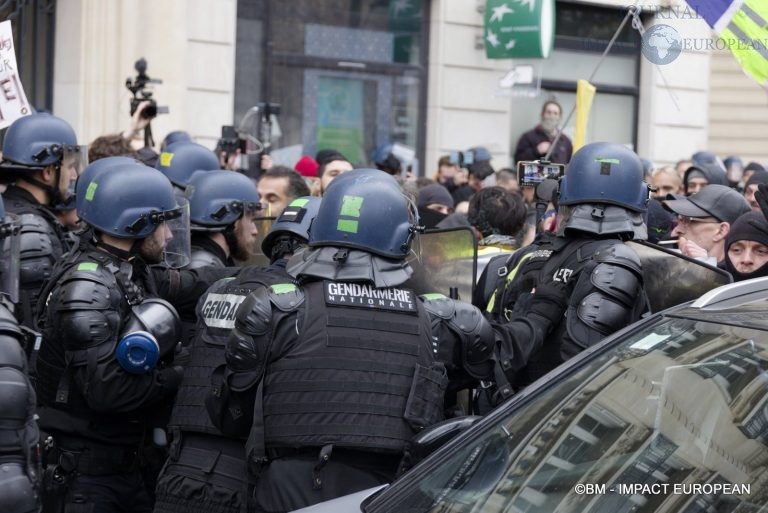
(115, 493)
(202, 480)
(289, 483)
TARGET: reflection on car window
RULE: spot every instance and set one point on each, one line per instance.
(672, 419)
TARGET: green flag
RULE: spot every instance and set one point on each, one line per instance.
(519, 28)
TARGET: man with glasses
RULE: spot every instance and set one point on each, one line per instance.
(704, 220)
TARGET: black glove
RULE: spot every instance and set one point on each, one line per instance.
(171, 377)
(181, 355)
(550, 300)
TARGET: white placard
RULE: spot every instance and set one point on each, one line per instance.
(13, 101)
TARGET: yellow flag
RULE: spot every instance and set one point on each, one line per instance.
(585, 93)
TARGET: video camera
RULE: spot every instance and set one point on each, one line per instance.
(141, 93)
(532, 173)
(253, 137)
(231, 141)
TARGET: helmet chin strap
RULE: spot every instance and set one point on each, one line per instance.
(54, 193)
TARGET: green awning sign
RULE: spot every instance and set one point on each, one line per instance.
(517, 29)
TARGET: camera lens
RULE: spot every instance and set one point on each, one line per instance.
(150, 111)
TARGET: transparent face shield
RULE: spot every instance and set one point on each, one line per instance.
(9, 260)
(169, 242)
(178, 249)
(247, 229)
(73, 161)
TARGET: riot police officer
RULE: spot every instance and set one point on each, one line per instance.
(222, 209)
(323, 375)
(602, 198)
(19, 460)
(205, 470)
(41, 153)
(180, 160)
(107, 361)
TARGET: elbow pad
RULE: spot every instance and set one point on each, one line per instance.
(462, 336)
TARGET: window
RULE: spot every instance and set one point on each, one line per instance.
(630, 416)
(348, 74)
(582, 33)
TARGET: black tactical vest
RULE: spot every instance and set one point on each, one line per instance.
(215, 311)
(361, 375)
(53, 387)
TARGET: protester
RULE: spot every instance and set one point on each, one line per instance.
(751, 168)
(750, 187)
(702, 174)
(534, 144)
(434, 203)
(277, 187)
(332, 165)
(704, 220)
(747, 247)
(665, 181)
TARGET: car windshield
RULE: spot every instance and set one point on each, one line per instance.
(673, 418)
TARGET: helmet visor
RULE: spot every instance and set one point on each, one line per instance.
(73, 161)
(178, 250)
(9, 259)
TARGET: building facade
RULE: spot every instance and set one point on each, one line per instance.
(357, 73)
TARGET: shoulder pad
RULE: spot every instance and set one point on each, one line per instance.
(11, 353)
(254, 276)
(202, 258)
(8, 323)
(597, 316)
(286, 296)
(254, 315)
(437, 305)
(16, 390)
(87, 286)
(620, 254)
(36, 238)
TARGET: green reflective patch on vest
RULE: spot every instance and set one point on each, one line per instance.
(298, 202)
(91, 191)
(346, 225)
(607, 161)
(283, 288)
(433, 296)
(350, 206)
(88, 266)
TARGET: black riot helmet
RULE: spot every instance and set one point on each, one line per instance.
(292, 228)
(603, 192)
(130, 201)
(366, 209)
(35, 142)
(182, 159)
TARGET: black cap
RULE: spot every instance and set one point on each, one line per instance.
(718, 201)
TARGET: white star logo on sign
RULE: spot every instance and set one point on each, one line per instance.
(402, 5)
(530, 3)
(510, 45)
(493, 39)
(499, 12)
